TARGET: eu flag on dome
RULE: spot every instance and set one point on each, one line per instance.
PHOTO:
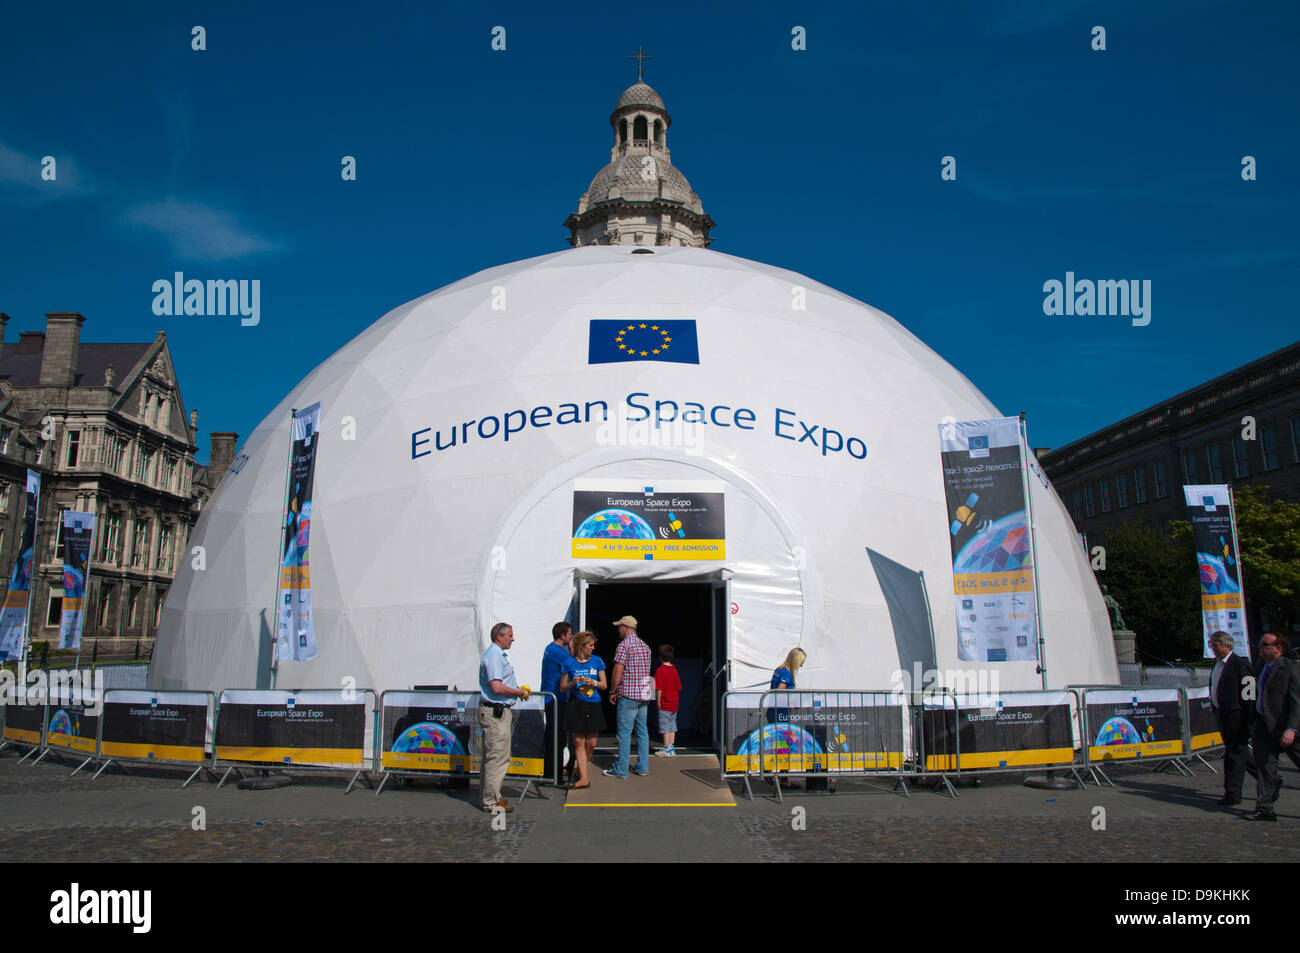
(624, 341)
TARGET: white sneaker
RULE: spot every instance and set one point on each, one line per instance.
(663, 753)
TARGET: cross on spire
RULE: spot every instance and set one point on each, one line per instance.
(640, 56)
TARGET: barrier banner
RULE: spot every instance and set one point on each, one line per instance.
(73, 723)
(815, 731)
(296, 636)
(1214, 532)
(623, 519)
(1133, 723)
(528, 739)
(78, 531)
(316, 727)
(430, 731)
(163, 726)
(992, 575)
(998, 731)
(13, 615)
(23, 722)
(742, 716)
(1202, 722)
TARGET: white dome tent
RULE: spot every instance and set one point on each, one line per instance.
(433, 523)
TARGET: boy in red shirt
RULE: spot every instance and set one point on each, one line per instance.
(668, 686)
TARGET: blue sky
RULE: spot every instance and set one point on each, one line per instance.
(225, 164)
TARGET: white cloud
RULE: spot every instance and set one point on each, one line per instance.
(21, 182)
(196, 231)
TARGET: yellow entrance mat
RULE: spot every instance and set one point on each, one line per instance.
(683, 781)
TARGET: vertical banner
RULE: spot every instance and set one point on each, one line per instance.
(78, 530)
(1214, 531)
(992, 572)
(13, 616)
(296, 637)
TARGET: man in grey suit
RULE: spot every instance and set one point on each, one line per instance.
(1277, 717)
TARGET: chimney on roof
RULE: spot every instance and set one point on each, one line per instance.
(222, 454)
(4, 323)
(1040, 452)
(31, 342)
(62, 341)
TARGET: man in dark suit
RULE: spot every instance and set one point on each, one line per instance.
(1228, 680)
(1277, 717)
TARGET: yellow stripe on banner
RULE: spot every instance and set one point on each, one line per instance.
(121, 749)
(325, 756)
(295, 577)
(998, 759)
(420, 761)
(847, 761)
(532, 767)
(658, 804)
(15, 599)
(1211, 740)
(1221, 600)
(648, 549)
(1010, 580)
(71, 742)
(1124, 752)
(25, 735)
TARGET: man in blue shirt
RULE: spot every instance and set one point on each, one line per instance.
(557, 654)
(496, 682)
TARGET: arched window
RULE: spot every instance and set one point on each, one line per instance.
(639, 129)
(659, 132)
(622, 131)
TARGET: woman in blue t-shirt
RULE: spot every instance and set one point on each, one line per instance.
(584, 679)
(783, 680)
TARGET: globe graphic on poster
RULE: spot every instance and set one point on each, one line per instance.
(1002, 545)
(60, 723)
(428, 737)
(1118, 731)
(613, 524)
(781, 738)
(1215, 578)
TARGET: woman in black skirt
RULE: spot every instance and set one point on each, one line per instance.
(584, 679)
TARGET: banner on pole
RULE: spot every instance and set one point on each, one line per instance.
(13, 615)
(296, 636)
(78, 531)
(992, 571)
(1223, 603)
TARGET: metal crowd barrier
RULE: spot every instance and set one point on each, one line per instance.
(1117, 738)
(420, 743)
(939, 738)
(813, 732)
(360, 766)
(170, 750)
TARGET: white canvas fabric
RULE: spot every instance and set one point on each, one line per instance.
(412, 560)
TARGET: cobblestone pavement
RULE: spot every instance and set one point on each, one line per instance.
(48, 815)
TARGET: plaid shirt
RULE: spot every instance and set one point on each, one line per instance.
(637, 685)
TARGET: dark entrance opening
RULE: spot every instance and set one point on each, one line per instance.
(684, 615)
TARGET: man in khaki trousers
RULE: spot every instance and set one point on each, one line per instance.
(496, 682)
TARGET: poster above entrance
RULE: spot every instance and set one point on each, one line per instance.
(624, 519)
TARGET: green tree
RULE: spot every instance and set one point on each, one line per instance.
(1155, 582)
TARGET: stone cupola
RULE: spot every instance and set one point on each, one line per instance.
(640, 197)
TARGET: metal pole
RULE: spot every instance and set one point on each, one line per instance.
(1241, 573)
(1033, 551)
(279, 556)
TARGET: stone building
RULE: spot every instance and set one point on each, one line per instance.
(640, 197)
(1242, 428)
(106, 427)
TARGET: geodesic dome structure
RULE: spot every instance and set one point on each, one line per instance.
(479, 408)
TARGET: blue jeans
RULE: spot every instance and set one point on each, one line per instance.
(632, 713)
